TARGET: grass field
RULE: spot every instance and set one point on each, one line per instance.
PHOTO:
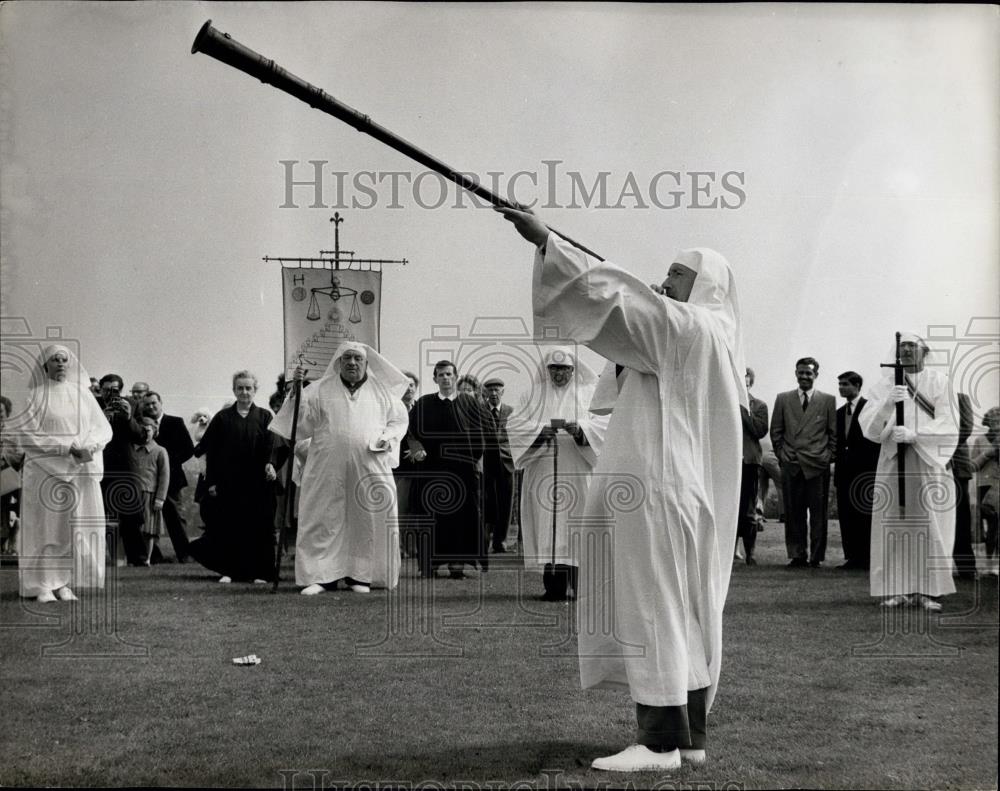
(473, 682)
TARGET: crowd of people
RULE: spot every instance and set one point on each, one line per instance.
(632, 487)
(461, 459)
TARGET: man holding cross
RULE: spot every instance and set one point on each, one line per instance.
(661, 512)
(912, 535)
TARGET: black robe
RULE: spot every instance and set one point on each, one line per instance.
(238, 540)
(448, 479)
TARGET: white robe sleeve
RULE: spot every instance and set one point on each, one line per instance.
(604, 307)
(282, 423)
(395, 428)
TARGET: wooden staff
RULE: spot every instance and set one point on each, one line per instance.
(289, 497)
(223, 47)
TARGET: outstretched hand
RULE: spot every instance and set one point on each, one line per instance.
(526, 223)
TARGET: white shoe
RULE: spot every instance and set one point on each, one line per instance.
(638, 758)
(359, 588)
(737, 555)
(259, 581)
(225, 580)
(929, 604)
(896, 601)
(65, 594)
(46, 596)
(313, 590)
(693, 757)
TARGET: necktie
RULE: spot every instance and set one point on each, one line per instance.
(805, 401)
(847, 420)
(850, 409)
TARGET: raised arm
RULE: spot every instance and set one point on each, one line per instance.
(599, 304)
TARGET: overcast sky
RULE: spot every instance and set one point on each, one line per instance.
(852, 153)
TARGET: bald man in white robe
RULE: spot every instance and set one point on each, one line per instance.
(661, 514)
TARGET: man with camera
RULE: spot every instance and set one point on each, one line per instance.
(120, 500)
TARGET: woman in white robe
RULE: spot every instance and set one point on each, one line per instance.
(63, 433)
(911, 555)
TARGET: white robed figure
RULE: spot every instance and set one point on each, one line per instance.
(561, 389)
(61, 544)
(911, 558)
(354, 418)
(660, 523)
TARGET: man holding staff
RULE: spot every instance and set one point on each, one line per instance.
(658, 568)
(355, 418)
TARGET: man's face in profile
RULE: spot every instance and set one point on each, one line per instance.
(679, 282)
(847, 390)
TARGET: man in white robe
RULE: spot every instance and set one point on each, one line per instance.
(562, 391)
(355, 419)
(662, 511)
(911, 553)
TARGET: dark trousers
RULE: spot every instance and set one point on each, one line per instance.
(746, 525)
(805, 513)
(668, 727)
(965, 558)
(854, 510)
(498, 496)
(176, 525)
(991, 521)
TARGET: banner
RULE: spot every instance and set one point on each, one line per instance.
(323, 308)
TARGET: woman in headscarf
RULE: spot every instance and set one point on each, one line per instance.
(63, 433)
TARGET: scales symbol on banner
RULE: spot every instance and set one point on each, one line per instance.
(334, 329)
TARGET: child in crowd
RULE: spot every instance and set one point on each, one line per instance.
(150, 468)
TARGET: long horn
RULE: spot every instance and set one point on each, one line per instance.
(223, 47)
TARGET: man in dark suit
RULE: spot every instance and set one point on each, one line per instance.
(804, 436)
(498, 465)
(172, 435)
(446, 441)
(854, 474)
(754, 427)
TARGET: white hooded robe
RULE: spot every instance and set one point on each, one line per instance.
(660, 525)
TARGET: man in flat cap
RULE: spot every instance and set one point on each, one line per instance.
(498, 465)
